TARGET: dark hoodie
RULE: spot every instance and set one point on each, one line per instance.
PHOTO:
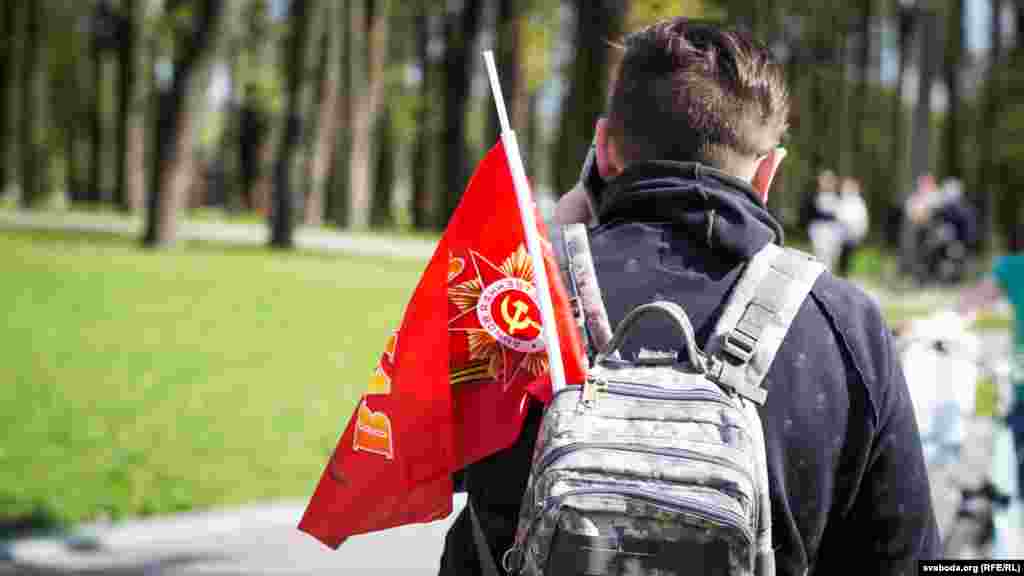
(847, 478)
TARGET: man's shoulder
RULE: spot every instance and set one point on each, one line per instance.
(846, 297)
(856, 318)
(850, 311)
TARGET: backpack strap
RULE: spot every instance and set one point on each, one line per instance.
(560, 249)
(583, 281)
(757, 316)
(748, 334)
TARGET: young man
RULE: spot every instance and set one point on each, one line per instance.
(689, 148)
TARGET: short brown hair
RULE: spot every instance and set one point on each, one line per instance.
(690, 90)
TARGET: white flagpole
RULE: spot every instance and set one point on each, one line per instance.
(526, 212)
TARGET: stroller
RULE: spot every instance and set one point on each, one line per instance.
(948, 239)
(942, 364)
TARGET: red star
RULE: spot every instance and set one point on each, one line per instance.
(472, 343)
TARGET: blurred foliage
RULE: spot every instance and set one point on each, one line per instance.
(1010, 155)
(645, 12)
(538, 41)
(809, 35)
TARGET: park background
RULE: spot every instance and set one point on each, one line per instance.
(213, 211)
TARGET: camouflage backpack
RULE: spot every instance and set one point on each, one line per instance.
(657, 466)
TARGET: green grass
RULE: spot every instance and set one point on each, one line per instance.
(897, 314)
(135, 383)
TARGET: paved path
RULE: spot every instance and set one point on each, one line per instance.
(253, 540)
(306, 238)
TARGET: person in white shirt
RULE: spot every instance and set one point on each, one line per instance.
(852, 214)
(824, 228)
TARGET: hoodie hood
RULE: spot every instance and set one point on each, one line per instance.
(710, 204)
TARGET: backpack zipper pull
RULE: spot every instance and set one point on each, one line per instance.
(591, 389)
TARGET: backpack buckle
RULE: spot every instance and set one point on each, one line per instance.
(739, 346)
(732, 377)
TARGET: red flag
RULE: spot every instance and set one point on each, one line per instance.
(451, 387)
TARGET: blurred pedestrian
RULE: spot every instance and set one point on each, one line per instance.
(952, 233)
(852, 214)
(824, 228)
(917, 211)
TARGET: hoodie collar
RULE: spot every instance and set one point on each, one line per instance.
(710, 204)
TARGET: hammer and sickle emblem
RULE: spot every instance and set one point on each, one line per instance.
(520, 320)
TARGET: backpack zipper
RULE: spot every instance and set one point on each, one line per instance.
(655, 393)
(561, 451)
(650, 392)
(708, 511)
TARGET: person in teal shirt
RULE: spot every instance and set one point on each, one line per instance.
(1005, 282)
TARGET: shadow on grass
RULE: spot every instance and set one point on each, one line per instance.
(40, 520)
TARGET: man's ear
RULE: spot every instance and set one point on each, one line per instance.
(765, 173)
(609, 162)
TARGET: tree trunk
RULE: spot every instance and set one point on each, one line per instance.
(840, 113)
(460, 37)
(132, 116)
(920, 151)
(308, 106)
(107, 191)
(900, 186)
(8, 76)
(252, 135)
(1019, 24)
(597, 23)
(358, 152)
(421, 180)
(1010, 176)
(817, 111)
(985, 189)
(859, 104)
(229, 149)
(510, 73)
(338, 178)
(282, 221)
(382, 215)
(35, 161)
(954, 55)
(71, 81)
(96, 142)
(320, 162)
(251, 140)
(173, 168)
(365, 104)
